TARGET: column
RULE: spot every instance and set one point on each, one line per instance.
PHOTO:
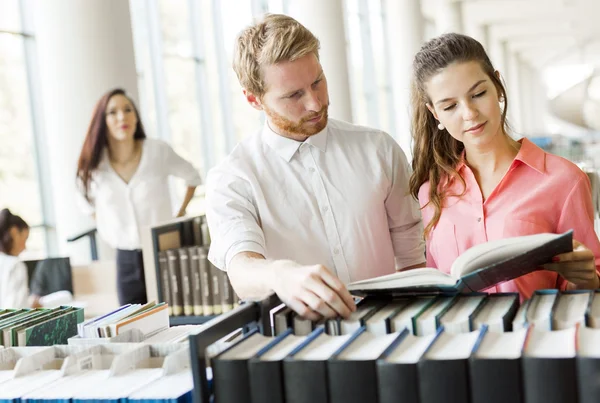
(84, 49)
(448, 17)
(325, 19)
(405, 26)
(479, 32)
(515, 94)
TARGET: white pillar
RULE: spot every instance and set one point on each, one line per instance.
(527, 84)
(325, 19)
(85, 48)
(405, 27)
(515, 94)
(479, 32)
(448, 17)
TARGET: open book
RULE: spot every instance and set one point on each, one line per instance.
(478, 268)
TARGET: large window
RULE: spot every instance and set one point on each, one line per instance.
(20, 189)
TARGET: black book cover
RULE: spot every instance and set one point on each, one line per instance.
(175, 283)
(588, 376)
(487, 386)
(186, 281)
(266, 377)
(305, 381)
(443, 381)
(395, 380)
(205, 282)
(165, 289)
(549, 380)
(195, 280)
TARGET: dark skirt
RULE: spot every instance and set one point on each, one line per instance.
(131, 285)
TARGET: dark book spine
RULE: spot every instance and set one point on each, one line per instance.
(197, 230)
(186, 281)
(549, 380)
(231, 381)
(175, 284)
(206, 282)
(362, 388)
(588, 386)
(163, 265)
(226, 294)
(305, 381)
(266, 380)
(488, 387)
(443, 381)
(205, 233)
(215, 278)
(395, 380)
(195, 280)
(187, 233)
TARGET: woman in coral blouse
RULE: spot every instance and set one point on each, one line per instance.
(476, 184)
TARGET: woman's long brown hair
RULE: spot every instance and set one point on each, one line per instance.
(436, 153)
(97, 138)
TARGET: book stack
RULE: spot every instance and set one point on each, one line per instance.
(38, 327)
(421, 348)
(181, 275)
(112, 372)
(132, 323)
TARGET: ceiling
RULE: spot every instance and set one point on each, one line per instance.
(541, 32)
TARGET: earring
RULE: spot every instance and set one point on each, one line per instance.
(441, 126)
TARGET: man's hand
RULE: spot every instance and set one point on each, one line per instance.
(312, 291)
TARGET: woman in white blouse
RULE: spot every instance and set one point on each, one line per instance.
(14, 291)
(123, 176)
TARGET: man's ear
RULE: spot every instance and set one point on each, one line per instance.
(253, 100)
(432, 110)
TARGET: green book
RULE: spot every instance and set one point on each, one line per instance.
(17, 320)
(54, 329)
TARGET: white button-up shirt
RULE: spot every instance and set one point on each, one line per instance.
(340, 199)
(123, 209)
(14, 291)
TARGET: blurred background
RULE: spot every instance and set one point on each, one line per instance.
(57, 57)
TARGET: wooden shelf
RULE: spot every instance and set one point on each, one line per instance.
(189, 320)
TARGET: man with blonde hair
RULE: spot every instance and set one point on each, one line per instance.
(307, 204)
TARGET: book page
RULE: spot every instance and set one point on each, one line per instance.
(283, 348)
(493, 313)
(376, 323)
(555, 344)
(246, 348)
(404, 318)
(410, 350)
(507, 345)
(594, 315)
(588, 342)
(457, 317)
(409, 278)
(367, 346)
(539, 312)
(322, 347)
(426, 322)
(570, 310)
(452, 346)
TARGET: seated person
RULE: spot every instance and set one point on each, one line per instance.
(14, 292)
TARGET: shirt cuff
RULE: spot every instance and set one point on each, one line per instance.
(195, 182)
(243, 246)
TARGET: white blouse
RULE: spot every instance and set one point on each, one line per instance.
(123, 209)
(340, 199)
(14, 291)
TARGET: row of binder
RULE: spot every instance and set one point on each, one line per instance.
(191, 285)
(532, 363)
(424, 315)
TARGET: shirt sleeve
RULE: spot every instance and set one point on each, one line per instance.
(180, 168)
(404, 216)
(578, 214)
(232, 218)
(15, 291)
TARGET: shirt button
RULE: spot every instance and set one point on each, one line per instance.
(478, 219)
(325, 209)
(336, 251)
(311, 170)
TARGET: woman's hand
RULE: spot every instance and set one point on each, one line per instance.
(577, 267)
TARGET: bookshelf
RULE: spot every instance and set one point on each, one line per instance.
(175, 240)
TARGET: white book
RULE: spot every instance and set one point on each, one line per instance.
(452, 346)
(367, 346)
(494, 311)
(539, 311)
(167, 388)
(502, 345)
(555, 344)
(570, 309)
(458, 318)
(588, 342)
(426, 323)
(404, 318)
(410, 349)
(594, 314)
(376, 324)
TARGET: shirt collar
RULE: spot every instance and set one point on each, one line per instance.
(531, 155)
(286, 148)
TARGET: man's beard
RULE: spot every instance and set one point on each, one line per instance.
(301, 128)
